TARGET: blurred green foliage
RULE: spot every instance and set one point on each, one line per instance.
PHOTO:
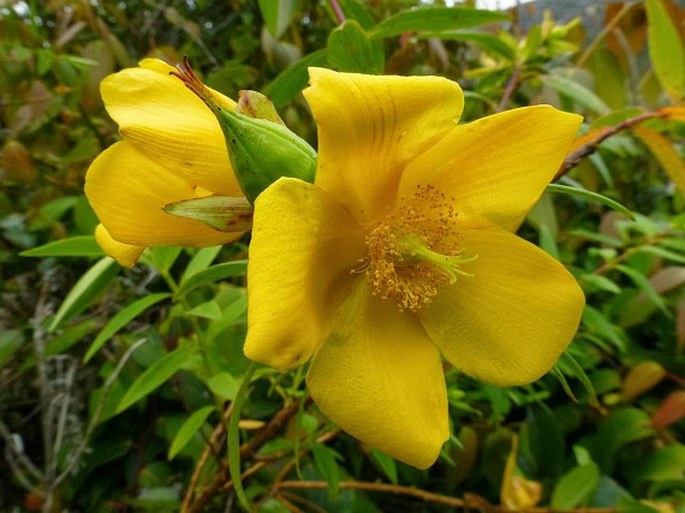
(114, 384)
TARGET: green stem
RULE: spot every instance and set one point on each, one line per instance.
(234, 437)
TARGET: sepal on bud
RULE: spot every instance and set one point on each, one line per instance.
(223, 213)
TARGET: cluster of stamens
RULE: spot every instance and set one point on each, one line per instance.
(413, 250)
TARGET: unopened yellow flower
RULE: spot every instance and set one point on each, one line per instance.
(172, 150)
(403, 249)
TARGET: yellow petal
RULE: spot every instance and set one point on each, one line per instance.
(157, 113)
(369, 128)
(497, 166)
(379, 377)
(128, 190)
(302, 252)
(509, 323)
(125, 254)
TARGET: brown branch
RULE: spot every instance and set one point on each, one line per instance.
(576, 157)
(247, 451)
(210, 449)
(469, 501)
(511, 87)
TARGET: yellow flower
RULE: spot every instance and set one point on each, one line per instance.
(172, 150)
(403, 249)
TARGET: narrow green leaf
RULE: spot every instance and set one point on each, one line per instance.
(325, 457)
(120, 320)
(598, 282)
(234, 437)
(154, 376)
(576, 487)
(213, 274)
(10, 342)
(590, 196)
(434, 20)
(200, 261)
(163, 257)
(278, 14)
(568, 365)
(293, 79)
(207, 310)
(189, 428)
(81, 246)
(665, 49)
(577, 92)
(355, 10)
(642, 283)
(349, 48)
(70, 336)
(386, 463)
(485, 40)
(663, 253)
(224, 384)
(86, 289)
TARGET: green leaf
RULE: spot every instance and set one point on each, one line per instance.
(485, 40)
(576, 92)
(576, 487)
(595, 282)
(665, 49)
(207, 310)
(163, 257)
(663, 253)
(83, 245)
(10, 342)
(622, 427)
(434, 20)
(665, 464)
(278, 14)
(234, 437)
(386, 463)
(224, 384)
(355, 10)
(154, 376)
(349, 48)
(325, 459)
(590, 196)
(293, 79)
(213, 274)
(71, 336)
(643, 284)
(569, 366)
(91, 284)
(189, 428)
(120, 320)
(202, 259)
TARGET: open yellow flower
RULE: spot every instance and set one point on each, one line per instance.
(403, 249)
(172, 150)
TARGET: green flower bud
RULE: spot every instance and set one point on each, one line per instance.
(261, 150)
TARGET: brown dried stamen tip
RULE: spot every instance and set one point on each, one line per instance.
(185, 73)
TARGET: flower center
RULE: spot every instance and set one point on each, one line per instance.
(413, 250)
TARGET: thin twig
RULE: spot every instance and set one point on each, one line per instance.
(575, 158)
(337, 10)
(606, 30)
(435, 498)
(247, 451)
(78, 452)
(511, 87)
(209, 449)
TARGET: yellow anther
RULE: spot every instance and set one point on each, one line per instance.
(412, 251)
